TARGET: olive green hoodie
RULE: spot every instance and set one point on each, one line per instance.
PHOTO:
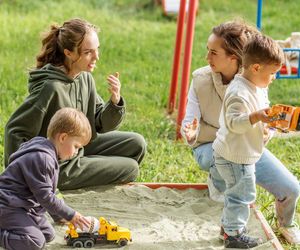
(49, 90)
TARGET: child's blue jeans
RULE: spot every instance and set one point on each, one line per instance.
(270, 173)
(240, 192)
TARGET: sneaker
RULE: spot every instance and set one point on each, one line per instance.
(222, 232)
(291, 233)
(241, 241)
(214, 193)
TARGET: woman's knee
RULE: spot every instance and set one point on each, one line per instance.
(139, 142)
(204, 156)
(204, 161)
(294, 190)
(290, 191)
(138, 146)
(131, 173)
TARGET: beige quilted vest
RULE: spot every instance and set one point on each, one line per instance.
(210, 93)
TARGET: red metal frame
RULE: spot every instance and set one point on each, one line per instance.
(193, 5)
(176, 60)
(189, 36)
(180, 186)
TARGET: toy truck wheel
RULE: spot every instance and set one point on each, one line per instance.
(89, 244)
(122, 242)
(77, 244)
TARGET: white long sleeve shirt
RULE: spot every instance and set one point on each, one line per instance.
(237, 140)
(208, 85)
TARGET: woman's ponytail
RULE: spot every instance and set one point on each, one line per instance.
(51, 51)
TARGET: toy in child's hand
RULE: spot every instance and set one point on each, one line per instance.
(94, 225)
(99, 231)
(285, 118)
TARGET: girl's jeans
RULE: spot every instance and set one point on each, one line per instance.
(239, 193)
(270, 174)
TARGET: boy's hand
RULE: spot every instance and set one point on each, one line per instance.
(114, 87)
(190, 130)
(260, 115)
(80, 221)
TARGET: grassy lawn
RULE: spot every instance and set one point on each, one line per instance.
(138, 41)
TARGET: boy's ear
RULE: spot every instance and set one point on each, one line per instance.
(62, 137)
(255, 67)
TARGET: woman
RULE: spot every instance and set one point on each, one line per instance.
(224, 56)
(62, 78)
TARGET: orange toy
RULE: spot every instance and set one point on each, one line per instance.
(285, 118)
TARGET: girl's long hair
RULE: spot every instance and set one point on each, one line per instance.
(68, 36)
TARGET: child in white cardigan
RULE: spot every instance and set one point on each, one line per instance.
(240, 139)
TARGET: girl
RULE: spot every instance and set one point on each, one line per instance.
(62, 78)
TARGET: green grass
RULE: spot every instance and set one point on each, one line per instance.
(138, 41)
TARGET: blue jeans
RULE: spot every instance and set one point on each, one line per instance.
(240, 192)
(270, 174)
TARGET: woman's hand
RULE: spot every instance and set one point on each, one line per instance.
(114, 87)
(80, 221)
(190, 130)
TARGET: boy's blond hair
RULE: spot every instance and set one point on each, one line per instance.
(262, 49)
(72, 122)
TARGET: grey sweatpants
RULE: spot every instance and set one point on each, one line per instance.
(20, 229)
(111, 158)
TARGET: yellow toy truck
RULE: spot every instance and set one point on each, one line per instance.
(106, 232)
(285, 118)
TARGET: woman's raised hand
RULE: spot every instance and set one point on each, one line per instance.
(114, 87)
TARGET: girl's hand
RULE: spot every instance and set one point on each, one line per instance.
(190, 130)
(114, 87)
(80, 221)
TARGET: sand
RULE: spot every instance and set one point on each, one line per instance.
(160, 218)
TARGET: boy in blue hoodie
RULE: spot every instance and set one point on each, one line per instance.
(28, 184)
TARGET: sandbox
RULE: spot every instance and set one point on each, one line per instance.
(160, 216)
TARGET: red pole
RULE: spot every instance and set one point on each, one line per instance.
(176, 60)
(193, 4)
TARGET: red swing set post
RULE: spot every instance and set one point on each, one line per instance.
(191, 18)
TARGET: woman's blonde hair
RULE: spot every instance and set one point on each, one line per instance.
(72, 122)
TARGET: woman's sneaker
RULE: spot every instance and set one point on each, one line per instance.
(291, 233)
(241, 241)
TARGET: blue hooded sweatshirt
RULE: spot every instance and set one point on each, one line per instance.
(30, 180)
